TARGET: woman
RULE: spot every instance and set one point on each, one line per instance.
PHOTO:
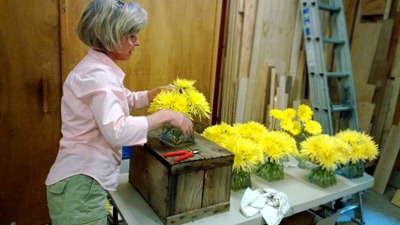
(95, 110)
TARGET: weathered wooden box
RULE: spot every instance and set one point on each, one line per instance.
(185, 191)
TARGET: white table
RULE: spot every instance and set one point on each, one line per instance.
(302, 196)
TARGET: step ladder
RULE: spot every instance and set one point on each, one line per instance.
(335, 111)
(326, 106)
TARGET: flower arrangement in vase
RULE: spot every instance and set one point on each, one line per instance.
(276, 146)
(299, 124)
(362, 148)
(183, 98)
(326, 152)
(241, 140)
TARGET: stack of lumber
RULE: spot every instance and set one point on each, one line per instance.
(264, 65)
(263, 37)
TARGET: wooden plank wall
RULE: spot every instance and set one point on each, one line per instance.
(264, 66)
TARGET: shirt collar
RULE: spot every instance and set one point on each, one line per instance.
(107, 61)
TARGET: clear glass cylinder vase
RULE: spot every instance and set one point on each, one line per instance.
(240, 180)
(271, 171)
(322, 177)
(173, 137)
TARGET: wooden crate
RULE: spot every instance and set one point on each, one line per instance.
(186, 191)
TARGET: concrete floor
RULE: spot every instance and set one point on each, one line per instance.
(377, 209)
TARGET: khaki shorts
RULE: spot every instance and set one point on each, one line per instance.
(76, 200)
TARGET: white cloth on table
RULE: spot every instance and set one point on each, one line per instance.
(272, 204)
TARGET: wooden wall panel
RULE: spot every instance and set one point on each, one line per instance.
(29, 107)
(180, 40)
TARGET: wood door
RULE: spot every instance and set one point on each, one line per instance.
(30, 80)
(180, 40)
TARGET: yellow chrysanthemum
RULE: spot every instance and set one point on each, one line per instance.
(287, 124)
(251, 130)
(362, 146)
(184, 98)
(289, 113)
(312, 127)
(324, 150)
(236, 139)
(276, 145)
(276, 113)
(198, 104)
(247, 154)
(304, 113)
(180, 84)
(172, 101)
(219, 133)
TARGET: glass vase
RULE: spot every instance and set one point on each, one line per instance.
(173, 137)
(240, 180)
(271, 171)
(322, 177)
(302, 163)
(352, 170)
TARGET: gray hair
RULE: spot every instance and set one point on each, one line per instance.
(104, 22)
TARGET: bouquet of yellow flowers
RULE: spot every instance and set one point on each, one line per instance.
(242, 141)
(326, 152)
(299, 127)
(362, 148)
(276, 146)
(299, 124)
(183, 98)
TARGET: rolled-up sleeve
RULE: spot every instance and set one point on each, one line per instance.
(137, 100)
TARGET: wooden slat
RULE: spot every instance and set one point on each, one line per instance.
(396, 198)
(247, 37)
(373, 7)
(363, 47)
(378, 71)
(240, 105)
(272, 94)
(379, 120)
(255, 58)
(364, 112)
(272, 45)
(387, 160)
(297, 40)
(231, 64)
(351, 7)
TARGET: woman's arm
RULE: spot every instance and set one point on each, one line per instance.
(151, 94)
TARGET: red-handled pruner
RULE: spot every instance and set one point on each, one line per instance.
(184, 154)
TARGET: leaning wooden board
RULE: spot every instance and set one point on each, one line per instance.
(387, 160)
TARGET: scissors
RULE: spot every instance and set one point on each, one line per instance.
(184, 154)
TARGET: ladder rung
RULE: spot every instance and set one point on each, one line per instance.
(337, 74)
(333, 41)
(328, 7)
(340, 108)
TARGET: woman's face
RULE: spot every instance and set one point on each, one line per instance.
(128, 44)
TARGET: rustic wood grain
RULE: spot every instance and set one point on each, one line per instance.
(181, 192)
(29, 107)
(373, 7)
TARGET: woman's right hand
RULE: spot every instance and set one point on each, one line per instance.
(178, 120)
